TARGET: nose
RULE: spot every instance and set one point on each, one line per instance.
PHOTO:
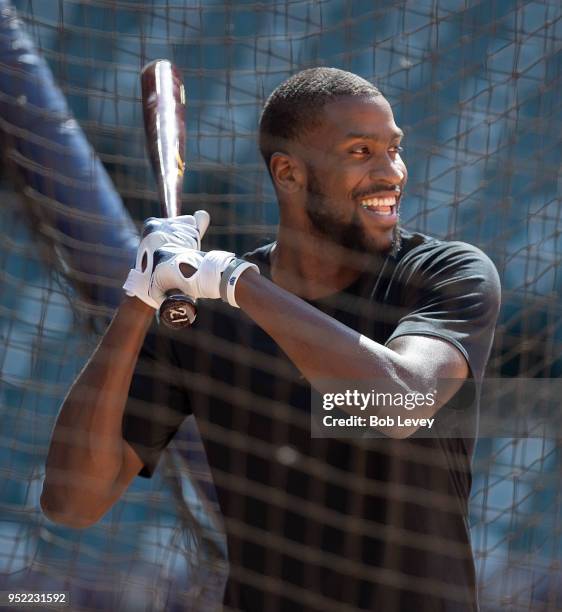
(388, 170)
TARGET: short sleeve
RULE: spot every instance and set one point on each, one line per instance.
(454, 294)
(158, 403)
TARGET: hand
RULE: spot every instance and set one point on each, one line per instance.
(185, 230)
(200, 275)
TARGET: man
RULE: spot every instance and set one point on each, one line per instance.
(343, 294)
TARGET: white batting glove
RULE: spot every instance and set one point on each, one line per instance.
(216, 273)
(185, 230)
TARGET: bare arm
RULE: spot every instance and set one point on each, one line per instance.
(89, 465)
(322, 348)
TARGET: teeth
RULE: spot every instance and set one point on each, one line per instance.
(383, 206)
(378, 202)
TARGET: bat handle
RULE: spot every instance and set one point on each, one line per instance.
(177, 310)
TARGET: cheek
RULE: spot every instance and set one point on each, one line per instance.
(338, 185)
(353, 180)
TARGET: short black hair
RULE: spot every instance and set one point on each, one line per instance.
(294, 106)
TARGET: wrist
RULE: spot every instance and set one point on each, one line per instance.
(137, 308)
(136, 286)
(246, 286)
(230, 277)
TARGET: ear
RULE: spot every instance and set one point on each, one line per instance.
(287, 173)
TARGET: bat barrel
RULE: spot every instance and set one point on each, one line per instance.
(163, 102)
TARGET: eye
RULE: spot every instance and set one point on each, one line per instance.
(360, 150)
(396, 150)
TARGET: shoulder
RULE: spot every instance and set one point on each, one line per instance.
(260, 255)
(432, 257)
(421, 247)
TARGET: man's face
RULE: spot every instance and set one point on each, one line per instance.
(355, 175)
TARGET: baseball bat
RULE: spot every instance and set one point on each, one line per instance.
(163, 105)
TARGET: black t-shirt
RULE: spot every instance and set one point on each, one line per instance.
(321, 524)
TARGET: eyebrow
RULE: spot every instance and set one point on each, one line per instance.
(396, 134)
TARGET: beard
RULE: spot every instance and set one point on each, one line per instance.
(331, 224)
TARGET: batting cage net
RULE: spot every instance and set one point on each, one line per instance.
(475, 86)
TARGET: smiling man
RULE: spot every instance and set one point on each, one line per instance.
(344, 293)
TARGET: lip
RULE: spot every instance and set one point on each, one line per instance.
(386, 221)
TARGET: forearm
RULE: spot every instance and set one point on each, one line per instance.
(328, 353)
(86, 452)
(321, 347)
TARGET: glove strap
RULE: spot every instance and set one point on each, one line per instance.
(230, 277)
(134, 287)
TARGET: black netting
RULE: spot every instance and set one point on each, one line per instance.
(476, 88)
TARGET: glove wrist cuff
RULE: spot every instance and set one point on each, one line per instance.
(230, 277)
(134, 288)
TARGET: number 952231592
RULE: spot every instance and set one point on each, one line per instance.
(34, 598)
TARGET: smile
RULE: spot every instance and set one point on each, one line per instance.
(381, 205)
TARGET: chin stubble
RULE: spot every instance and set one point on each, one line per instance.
(350, 235)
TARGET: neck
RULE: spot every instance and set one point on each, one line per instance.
(310, 265)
